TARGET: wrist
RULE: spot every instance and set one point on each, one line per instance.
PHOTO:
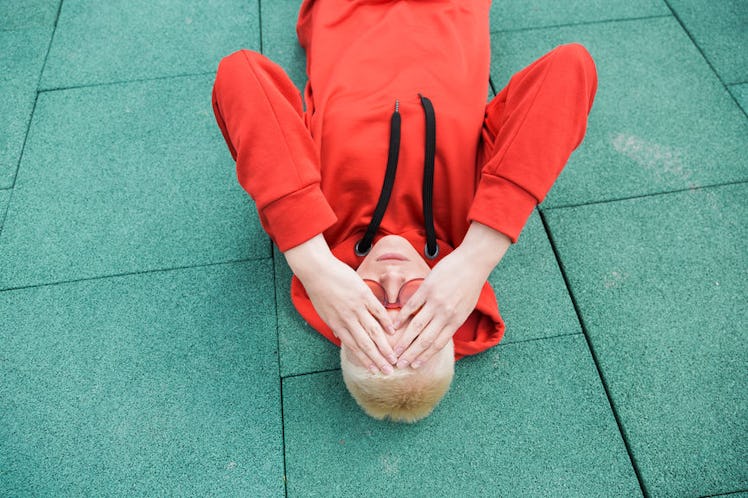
(308, 257)
(484, 247)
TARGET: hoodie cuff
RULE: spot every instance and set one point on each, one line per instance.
(297, 217)
(501, 205)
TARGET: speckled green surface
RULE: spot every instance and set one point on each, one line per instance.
(741, 95)
(4, 198)
(171, 361)
(661, 121)
(21, 60)
(151, 384)
(661, 283)
(28, 14)
(99, 42)
(527, 419)
(523, 14)
(107, 186)
(720, 29)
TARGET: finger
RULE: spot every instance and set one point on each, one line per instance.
(441, 340)
(378, 311)
(368, 347)
(414, 304)
(376, 333)
(424, 345)
(412, 335)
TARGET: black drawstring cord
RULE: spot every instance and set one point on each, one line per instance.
(363, 246)
(432, 249)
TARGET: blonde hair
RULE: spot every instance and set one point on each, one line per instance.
(406, 395)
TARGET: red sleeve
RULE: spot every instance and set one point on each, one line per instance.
(531, 128)
(260, 114)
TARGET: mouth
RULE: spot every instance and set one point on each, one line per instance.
(392, 256)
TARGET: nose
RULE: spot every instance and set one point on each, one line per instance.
(391, 280)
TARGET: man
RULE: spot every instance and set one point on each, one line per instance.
(399, 170)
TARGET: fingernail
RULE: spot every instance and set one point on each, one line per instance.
(399, 350)
(416, 364)
(402, 363)
(387, 369)
(392, 359)
(373, 369)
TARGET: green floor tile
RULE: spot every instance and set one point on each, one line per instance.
(521, 14)
(4, 198)
(98, 42)
(302, 349)
(661, 284)
(719, 28)
(529, 287)
(124, 178)
(527, 419)
(532, 296)
(279, 41)
(145, 385)
(21, 60)
(741, 95)
(28, 14)
(662, 121)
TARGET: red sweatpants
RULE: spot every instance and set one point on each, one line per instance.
(530, 129)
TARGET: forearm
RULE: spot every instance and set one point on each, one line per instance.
(308, 257)
(484, 247)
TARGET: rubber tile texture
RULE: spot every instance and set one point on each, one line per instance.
(28, 14)
(100, 42)
(21, 60)
(637, 141)
(153, 384)
(523, 14)
(4, 198)
(279, 42)
(661, 284)
(522, 411)
(719, 29)
(530, 290)
(125, 178)
(741, 95)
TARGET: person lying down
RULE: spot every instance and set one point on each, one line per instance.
(393, 189)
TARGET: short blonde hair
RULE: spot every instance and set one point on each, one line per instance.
(406, 395)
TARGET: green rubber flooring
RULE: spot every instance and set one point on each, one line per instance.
(148, 345)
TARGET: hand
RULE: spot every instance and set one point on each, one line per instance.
(440, 306)
(448, 295)
(345, 303)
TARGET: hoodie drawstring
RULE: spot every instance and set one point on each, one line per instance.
(431, 250)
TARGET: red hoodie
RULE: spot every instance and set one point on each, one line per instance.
(323, 169)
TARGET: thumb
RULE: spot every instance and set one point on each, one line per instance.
(415, 303)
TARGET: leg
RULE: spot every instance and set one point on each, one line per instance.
(531, 128)
(260, 115)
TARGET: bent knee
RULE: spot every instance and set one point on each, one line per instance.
(575, 55)
(238, 60)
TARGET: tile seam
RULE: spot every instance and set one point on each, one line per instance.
(728, 493)
(688, 33)
(280, 376)
(643, 196)
(582, 23)
(128, 274)
(591, 349)
(301, 374)
(500, 345)
(262, 51)
(124, 82)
